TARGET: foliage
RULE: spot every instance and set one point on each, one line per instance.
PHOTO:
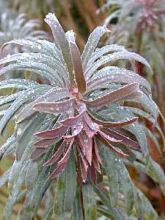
(73, 14)
(79, 127)
(14, 27)
(140, 24)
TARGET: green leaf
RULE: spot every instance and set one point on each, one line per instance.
(118, 178)
(77, 213)
(25, 133)
(35, 195)
(152, 169)
(114, 213)
(17, 83)
(113, 74)
(14, 108)
(89, 199)
(109, 162)
(31, 175)
(65, 193)
(92, 43)
(144, 207)
(7, 147)
(16, 192)
(116, 56)
(7, 99)
(140, 135)
(61, 41)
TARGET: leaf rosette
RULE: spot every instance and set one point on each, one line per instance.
(85, 102)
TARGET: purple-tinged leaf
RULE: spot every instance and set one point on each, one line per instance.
(90, 123)
(59, 169)
(83, 166)
(72, 120)
(114, 124)
(37, 153)
(57, 30)
(92, 173)
(118, 151)
(114, 96)
(125, 140)
(115, 149)
(96, 154)
(54, 107)
(65, 158)
(59, 152)
(76, 119)
(44, 143)
(89, 132)
(63, 162)
(134, 96)
(53, 133)
(51, 94)
(90, 127)
(87, 150)
(108, 137)
(86, 145)
(76, 130)
(78, 70)
(61, 41)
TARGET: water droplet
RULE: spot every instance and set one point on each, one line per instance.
(85, 141)
(122, 196)
(8, 56)
(19, 131)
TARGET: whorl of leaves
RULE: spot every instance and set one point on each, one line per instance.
(80, 125)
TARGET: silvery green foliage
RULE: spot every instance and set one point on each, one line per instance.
(35, 107)
(135, 16)
(13, 27)
(135, 11)
(146, 16)
(140, 25)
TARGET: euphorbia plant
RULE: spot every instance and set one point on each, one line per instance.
(76, 129)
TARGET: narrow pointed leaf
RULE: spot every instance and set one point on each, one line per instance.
(50, 95)
(59, 152)
(53, 133)
(60, 40)
(44, 143)
(92, 42)
(54, 107)
(114, 96)
(78, 70)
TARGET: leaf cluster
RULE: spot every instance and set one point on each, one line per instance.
(77, 128)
